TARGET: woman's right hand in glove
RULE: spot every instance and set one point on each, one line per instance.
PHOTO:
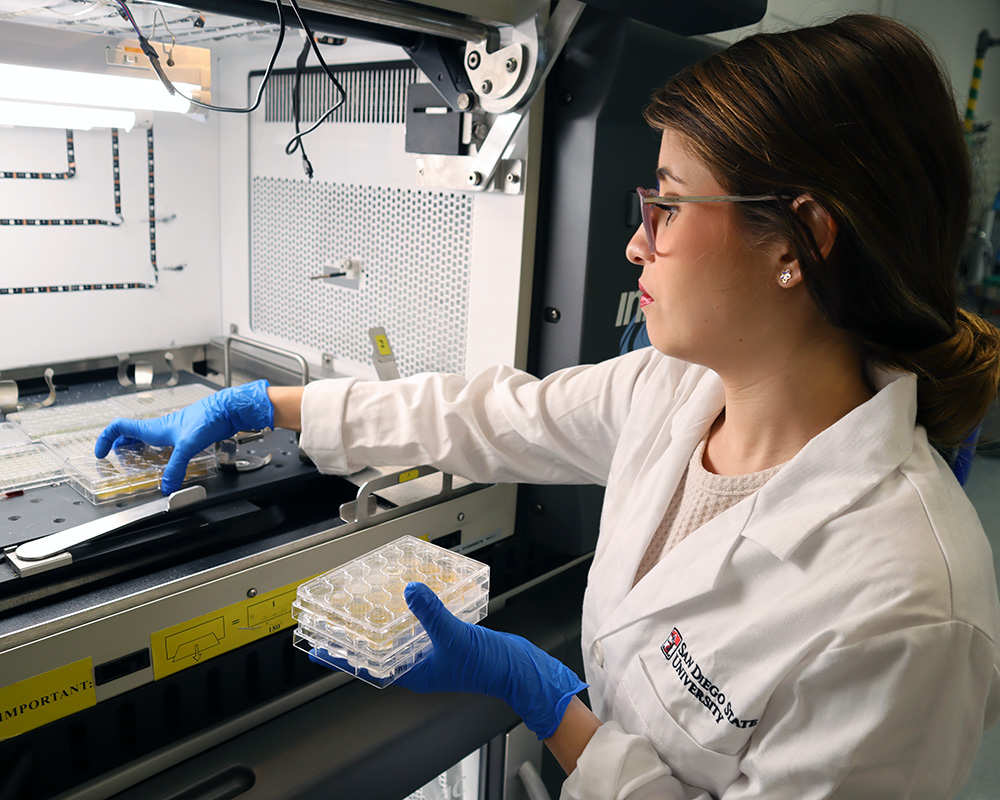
(192, 429)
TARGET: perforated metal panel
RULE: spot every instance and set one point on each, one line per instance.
(414, 246)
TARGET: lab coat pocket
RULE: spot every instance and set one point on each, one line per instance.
(650, 695)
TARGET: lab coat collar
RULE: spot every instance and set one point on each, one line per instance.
(693, 569)
(831, 473)
(827, 476)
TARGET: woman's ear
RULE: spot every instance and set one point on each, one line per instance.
(823, 229)
(819, 221)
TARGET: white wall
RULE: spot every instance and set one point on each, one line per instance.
(950, 26)
(182, 308)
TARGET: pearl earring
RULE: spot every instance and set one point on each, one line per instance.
(785, 277)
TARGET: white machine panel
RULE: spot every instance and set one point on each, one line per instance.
(444, 271)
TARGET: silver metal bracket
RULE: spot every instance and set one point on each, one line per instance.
(143, 371)
(496, 75)
(52, 551)
(364, 507)
(10, 395)
(174, 375)
(24, 568)
(231, 459)
(514, 73)
(227, 358)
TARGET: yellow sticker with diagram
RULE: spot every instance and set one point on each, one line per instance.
(189, 643)
(44, 698)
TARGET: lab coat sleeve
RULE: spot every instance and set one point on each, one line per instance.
(896, 717)
(502, 425)
(620, 766)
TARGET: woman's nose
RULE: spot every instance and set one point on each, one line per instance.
(637, 249)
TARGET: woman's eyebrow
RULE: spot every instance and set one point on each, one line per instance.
(663, 173)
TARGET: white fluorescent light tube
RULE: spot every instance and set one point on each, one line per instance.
(39, 85)
(77, 118)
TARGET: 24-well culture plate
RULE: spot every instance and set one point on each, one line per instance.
(355, 617)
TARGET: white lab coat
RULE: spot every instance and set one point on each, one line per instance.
(833, 635)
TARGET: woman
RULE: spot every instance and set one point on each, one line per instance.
(791, 596)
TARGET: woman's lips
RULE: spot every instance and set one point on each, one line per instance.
(645, 300)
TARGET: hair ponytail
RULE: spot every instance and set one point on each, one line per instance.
(957, 379)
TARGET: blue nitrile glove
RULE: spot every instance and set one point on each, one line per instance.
(470, 658)
(192, 429)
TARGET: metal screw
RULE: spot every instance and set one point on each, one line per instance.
(234, 328)
(475, 178)
(328, 360)
(480, 130)
(464, 101)
(513, 177)
(474, 59)
(487, 87)
(566, 98)
(537, 508)
(511, 64)
(461, 516)
(552, 314)
(251, 592)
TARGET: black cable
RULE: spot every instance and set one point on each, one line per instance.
(297, 143)
(173, 39)
(311, 41)
(154, 59)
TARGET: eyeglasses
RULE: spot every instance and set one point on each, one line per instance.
(648, 197)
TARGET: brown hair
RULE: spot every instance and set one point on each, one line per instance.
(856, 114)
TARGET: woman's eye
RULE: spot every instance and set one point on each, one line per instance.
(670, 211)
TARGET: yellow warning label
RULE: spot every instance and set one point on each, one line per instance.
(409, 475)
(44, 698)
(189, 643)
(382, 343)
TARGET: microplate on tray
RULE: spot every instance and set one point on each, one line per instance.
(355, 617)
(39, 422)
(70, 433)
(28, 466)
(128, 470)
(157, 402)
(12, 436)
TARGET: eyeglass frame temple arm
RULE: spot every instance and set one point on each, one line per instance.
(711, 199)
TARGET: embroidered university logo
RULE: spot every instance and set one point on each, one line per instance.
(698, 684)
(673, 641)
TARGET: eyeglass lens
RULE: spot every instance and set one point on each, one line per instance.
(646, 212)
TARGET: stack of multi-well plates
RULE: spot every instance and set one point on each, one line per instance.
(355, 617)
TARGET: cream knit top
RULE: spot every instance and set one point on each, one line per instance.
(700, 497)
